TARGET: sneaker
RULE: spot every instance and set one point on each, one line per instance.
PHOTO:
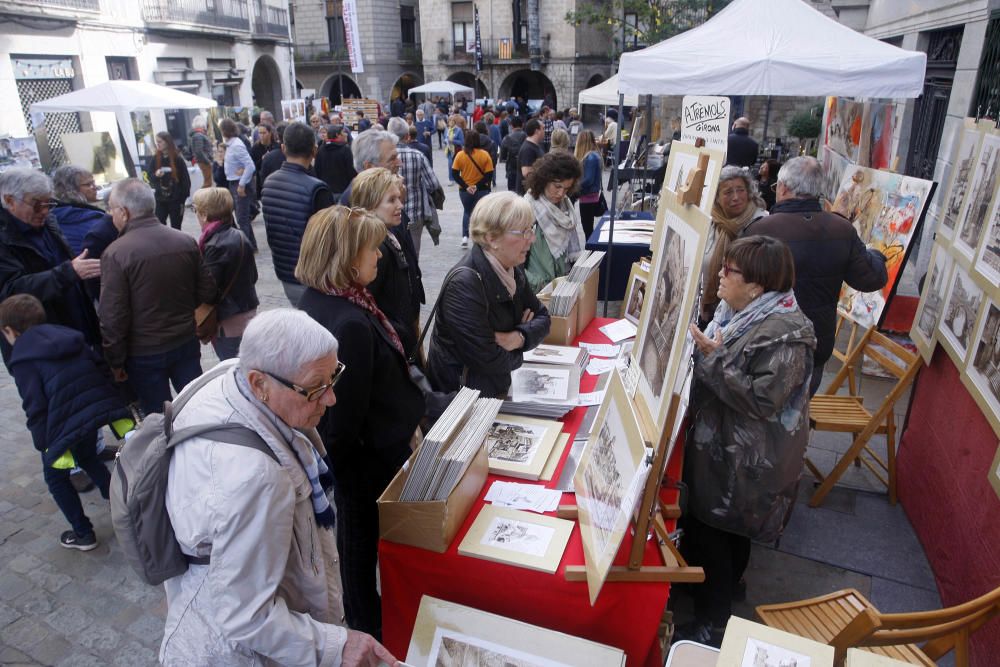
(71, 540)
(465, 241)
(81, 482)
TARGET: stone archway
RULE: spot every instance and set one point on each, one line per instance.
(403, 84)
(266, 85)
(590, 114)
(337, 86)
(469, 79)
(529, 85)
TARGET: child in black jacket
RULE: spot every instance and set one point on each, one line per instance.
(67, 399)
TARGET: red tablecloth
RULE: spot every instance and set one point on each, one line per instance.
(626, 615)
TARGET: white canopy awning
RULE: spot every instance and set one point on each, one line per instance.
(773, 47)
(606, 94)
(441, 87)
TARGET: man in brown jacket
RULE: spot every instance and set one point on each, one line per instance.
(153, 278)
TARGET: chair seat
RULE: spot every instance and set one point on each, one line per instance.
(840, 413)
(823, 618)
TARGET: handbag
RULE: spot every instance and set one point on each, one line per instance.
(206, 318)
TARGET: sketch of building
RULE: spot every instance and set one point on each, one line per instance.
(957, 195)
(961, 311)
(604, 486)
(511, 442)
(971, 230)
(762, 654)
(986, 359)
(934, 302)
(662, 324)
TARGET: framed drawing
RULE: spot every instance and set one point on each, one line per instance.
(520, 446)
(635, 294)
(608, 482)
(749, 644)
(994, 472)
(19, 152)
(972, 219)
(964, 164)
(503, 535)
(961, 312)
(987, 264)
(925, 321)
(447, 634)
(684, 158)
(671, 295)
(982, 373)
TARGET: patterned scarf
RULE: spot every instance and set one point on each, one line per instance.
(734, 324)
(363, 299)
(560, 226)
(314, 467)
(724, 230)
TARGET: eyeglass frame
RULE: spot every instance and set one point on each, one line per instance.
(726, 270)
(312, 394)
(40, 204)
(524, 233)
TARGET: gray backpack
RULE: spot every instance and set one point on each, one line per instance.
(139, 489)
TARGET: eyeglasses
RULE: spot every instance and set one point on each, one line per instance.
(556, 185)
(726, 270)
(40, 205)
(523, 233)
(88, 184)
(312, 394)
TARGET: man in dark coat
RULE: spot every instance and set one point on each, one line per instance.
(509, 147)
(334, 161)
(272, 160)
(828, 252)
(742, 149)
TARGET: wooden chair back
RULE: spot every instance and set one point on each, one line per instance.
(868, 345)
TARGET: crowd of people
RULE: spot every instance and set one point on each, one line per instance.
(107, 307)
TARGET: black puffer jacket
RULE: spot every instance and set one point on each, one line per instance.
(222, 259)
(398, 291)
(464, 351)
(828, 253)
(288, 200)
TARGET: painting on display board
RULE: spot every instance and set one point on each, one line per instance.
(961, 312)
(965, 162)
(886, 209)
(477, 637)
(923, 333)
(671, 296)
(684, 158)
(972, 219)
(834, 165)
(987, 263)
(19, 152)
(877, 142)
(982, 374)
(96, 152)
(843, 127)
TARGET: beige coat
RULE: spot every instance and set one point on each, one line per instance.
(271, 594)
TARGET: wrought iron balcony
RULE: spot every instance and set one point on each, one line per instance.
(409, 53)
(320, 53)
(270, 21)
(211, 14)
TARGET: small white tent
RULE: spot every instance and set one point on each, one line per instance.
(441, 88)
(773, 47)
(606, 94)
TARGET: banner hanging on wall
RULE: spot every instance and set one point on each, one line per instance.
(352, 36)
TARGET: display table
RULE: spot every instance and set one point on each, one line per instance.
(624, 255)
(626, 615)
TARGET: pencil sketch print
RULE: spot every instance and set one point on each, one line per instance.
(516, 443)
(454, 649)
(518, 536)
(985, 367)
(762, 654)
(536, 383)
(988, 259)
(605, 483)
(963, 170)
(667, 298)
(960, 311)
(930, 311)
(973, 219)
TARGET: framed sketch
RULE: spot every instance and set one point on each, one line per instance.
(749, 644)
(972, 220)
(635, 294)
(447, 634)
(608, 482)
(925, 321)
(98, 153)
(961, 312)
(503, 535)
(994, 472)
(987, 264)
(982, 373)
(19, 152)
(520, 446)
(671, 296)
(684, 158)
(964, 164)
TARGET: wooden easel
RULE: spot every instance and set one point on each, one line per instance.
(690, 193)
(675, 568)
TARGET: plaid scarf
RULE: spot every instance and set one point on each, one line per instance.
(363, 299)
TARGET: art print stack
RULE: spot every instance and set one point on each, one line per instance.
(960, 302)
(543, 390)
(568, 290)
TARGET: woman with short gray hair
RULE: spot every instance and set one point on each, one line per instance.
(76, 212)
(263, 585)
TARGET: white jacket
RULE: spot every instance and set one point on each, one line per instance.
(271, 594)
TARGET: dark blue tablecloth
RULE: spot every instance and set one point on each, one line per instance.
(622, 256)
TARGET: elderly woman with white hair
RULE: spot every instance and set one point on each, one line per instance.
(35, 258)
(201, 148)
(488, 315)
(76, 211)
(263, 584)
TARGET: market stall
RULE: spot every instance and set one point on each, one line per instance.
(449, 88)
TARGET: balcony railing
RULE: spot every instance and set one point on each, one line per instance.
(230, 14)
(495, 50)
(320, 53)
(270, 20)
(409, 53)
(93, 5)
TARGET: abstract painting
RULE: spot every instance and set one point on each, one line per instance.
(834, 165)
(877, 142)
(844, 119)
(972, 219)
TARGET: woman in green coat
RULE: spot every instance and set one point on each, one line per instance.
(559, 239)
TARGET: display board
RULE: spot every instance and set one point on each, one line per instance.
(349, 108)
(861, 132)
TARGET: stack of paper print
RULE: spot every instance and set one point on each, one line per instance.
(520, 446)
(588, 262)
(534, 541)
(563, 298)
(543, 390)
(446, 634)
(449, 447)
(559, 355)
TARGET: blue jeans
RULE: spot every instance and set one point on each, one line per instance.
(241, 208)
(151, 375)
(468, 203)
(61, 488)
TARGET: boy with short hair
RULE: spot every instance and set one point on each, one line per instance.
(66, 399)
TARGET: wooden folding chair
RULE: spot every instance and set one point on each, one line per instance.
(846, 619)
(847, 413)
(843, 319)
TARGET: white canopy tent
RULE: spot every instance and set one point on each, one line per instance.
(773, 47)
(442, 87)
(606, 94)
(122, 98)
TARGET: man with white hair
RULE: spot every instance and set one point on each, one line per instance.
(828, 252)
(152, 279)
(35, 258)
(419, 179)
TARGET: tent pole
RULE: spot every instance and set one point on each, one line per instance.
(614, 200)
(126, 154)
(649, 140)
(767, 118)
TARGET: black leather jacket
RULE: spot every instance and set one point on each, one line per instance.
(222, 259)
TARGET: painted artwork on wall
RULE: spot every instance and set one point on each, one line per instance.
(965, 162)
(843, 130)
(972, 219)
(878, 136)
(834, 165)
(19, 152)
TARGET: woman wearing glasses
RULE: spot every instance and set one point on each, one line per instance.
(263, 584)
(368, 434)
(737, 204)
(488, 316)
(750, 423)
(560, 235)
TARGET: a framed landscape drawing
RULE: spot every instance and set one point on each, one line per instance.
(982, 374)
(961, 311)
(635, 294)
(446, 634)
(684, 158)
(520, 446)
(503, 535)
(972, 220)
(925, 321)
(608, 482)
(965, 162)
(670, 298)
(749, 644)
(987, 264)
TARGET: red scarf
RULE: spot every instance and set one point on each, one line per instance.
(210, 228)
(363, 299)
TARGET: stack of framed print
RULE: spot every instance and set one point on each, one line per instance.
(543, 390)
(749, 644)
(515, 537)
(559, 355)
(446, 633)
(520, 446)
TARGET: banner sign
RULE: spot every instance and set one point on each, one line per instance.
(352, 36)
(479, 44)
(706, 117)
